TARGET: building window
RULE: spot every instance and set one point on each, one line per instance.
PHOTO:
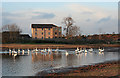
(42, 37)
(55, 32)
(59, 33)
(42, 28)
(55, 28)
(49, 37)
(59, 29)
(42, 33)
(35, 37)
(49, 28)
(35, 33)
(48, 33)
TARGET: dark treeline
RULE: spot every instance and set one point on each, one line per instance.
(59, 41)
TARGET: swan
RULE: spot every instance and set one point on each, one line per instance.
(85, 50)
(14, 52)
(91, 49)
(9, 50)
(36, 50)
(28, 51)
(66, 53)
(101, 50)
(49, 50)
(77, 49)
(18, 50)
(57, 49)
(42, 50)
(45, 50)
(23, 52)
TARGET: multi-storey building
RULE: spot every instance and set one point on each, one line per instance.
(46, 31)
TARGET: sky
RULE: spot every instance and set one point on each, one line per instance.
(91, 17)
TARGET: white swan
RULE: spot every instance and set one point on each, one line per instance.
(91, 50)
(28, 51)
(85, 50)
(66, 53)
(14, 52)
(19, 51)
(36, 50)
(9, 50)
(42, 50)
(23, 52)
(101, 50)
(77, 49)
(49, 50)
(45, 50)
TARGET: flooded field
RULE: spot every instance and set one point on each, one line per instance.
(28, 64)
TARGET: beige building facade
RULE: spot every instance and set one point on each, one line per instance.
(46, 31)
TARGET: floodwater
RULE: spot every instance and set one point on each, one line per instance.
(30, 64)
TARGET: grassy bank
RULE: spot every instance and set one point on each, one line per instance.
(62, 46)
(103, 69)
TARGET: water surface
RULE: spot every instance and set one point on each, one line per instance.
(29, 65)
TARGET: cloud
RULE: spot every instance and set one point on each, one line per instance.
(42, 15)
(104, 19)
(87, 12)
(88, 20)
(5, 14)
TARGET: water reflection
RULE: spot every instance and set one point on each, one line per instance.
(30, 63)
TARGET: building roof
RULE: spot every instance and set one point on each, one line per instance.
(43, 25)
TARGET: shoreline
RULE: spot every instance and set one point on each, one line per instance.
(99, 69)
(54, 46)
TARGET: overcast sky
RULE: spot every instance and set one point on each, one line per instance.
(91, 17)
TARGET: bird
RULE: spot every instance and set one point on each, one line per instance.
(23, 52)
(90, 50)
(85, 50)
(9, 50)
(14, 52)
(45, 50)
(42, 50)
(66, 53)
(49, 50)
(101, 50)
(57, 49)
(18, 50)
(28, 51)
(36, 50)
(77, 49)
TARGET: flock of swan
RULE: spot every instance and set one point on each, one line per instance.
(77, 51)
(89, 50)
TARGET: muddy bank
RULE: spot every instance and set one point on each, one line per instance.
(101, 69)
(53, 46)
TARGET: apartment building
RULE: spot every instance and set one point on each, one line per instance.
(46, 31)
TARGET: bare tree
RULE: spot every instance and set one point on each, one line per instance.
(71, 29)
(74, 30)
(11, 33)
(12, 27)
